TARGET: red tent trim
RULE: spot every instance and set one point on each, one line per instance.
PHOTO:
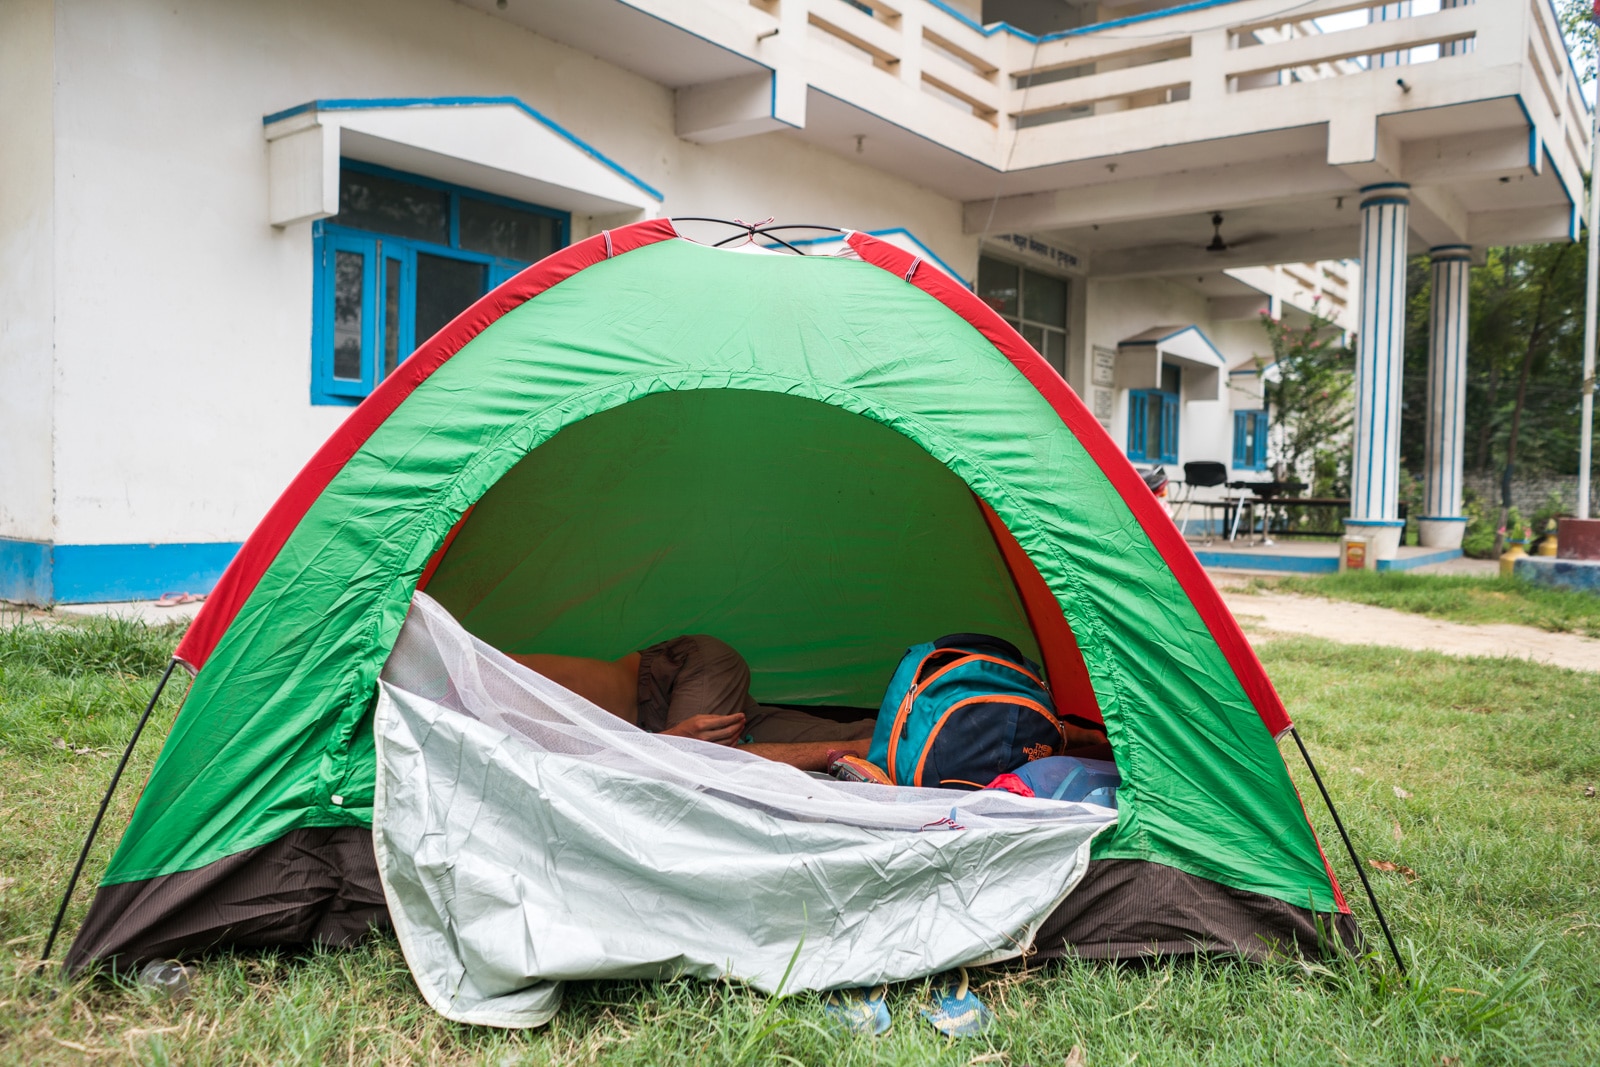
(1149, 512)
(1070, 683)
(264, 543)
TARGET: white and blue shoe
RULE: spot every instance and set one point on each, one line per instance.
(957, 1011)
(860, 1011)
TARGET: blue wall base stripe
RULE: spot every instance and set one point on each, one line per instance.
(40, 573)
(24, 571)
(1406, 563)
(1247, 561)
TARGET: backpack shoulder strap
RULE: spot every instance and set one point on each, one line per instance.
(977, 642)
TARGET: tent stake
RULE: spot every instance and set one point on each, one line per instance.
(1360, 871)
(94, 827)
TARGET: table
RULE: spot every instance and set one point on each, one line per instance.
(1283, 503)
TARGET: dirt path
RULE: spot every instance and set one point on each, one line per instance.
(1266, 615)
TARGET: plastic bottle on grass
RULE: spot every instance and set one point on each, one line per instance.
(167, 977)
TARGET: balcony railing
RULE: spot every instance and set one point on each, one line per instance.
(1201, 72)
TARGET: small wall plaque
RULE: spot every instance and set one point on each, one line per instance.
(1104, 371)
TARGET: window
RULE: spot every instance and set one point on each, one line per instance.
(403, 257)
(1036, 304)
(1153, 419)
(1250, 440)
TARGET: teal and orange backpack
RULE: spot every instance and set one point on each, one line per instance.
(962, 710)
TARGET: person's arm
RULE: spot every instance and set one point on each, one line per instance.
(718, 729)
(1078, 736)
(808, 755)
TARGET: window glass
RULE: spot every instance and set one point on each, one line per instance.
(1152, 426)
(997, 285)
(445, 287)
(391, 315)
(1036, 304)
(1034, 336)
(403, 257)
(505, 231)
(1055, 350)
(349, 285)
(1044, 299)
(389, 205)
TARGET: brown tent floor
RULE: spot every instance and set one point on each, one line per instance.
(321, 887)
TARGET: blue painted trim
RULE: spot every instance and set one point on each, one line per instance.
(1373, 522)
(1006, 27)
(772, 100)
(329, 237)
(362, 166)
(1441, 518)
(25, 568)
(1250, 425)
(1138, 425)
(326, 247)
(926, 252)
(93, 573)
(1539, 151)
(1572, 202)
(90, 574)
(38, 572)
(1444, 555)
(1177, 333)
(1448, 252)
(1365, 189)
(1379, 201)
(376, 103)
(1247, 561)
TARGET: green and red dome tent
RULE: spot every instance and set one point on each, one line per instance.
(821, 460)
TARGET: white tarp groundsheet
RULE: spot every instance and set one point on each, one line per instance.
(526, 837)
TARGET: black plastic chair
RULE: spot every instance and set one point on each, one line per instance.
(1201, 474)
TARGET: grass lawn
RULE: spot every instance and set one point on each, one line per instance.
(1470, 773)
(1458, 598)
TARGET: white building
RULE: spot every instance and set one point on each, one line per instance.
(221, 223)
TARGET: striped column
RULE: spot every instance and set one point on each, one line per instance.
(1442, 523)
(1375, 468)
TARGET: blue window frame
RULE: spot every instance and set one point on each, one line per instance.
(1153, 420)
(1250, 440)
(402, 258)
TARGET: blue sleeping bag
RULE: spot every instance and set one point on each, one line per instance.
(1088, 781)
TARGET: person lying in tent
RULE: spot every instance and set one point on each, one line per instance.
(697, 686)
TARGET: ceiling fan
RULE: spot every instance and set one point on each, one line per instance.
(1219, 245)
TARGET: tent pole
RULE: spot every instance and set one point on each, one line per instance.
(1371, 896)
(94, 827)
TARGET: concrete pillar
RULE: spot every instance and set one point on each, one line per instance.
(1441, 523)
(1375, 469)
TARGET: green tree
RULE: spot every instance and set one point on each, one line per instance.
(1577, 26)
(1525, 342)
(1525, 335)
(1308, 398)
